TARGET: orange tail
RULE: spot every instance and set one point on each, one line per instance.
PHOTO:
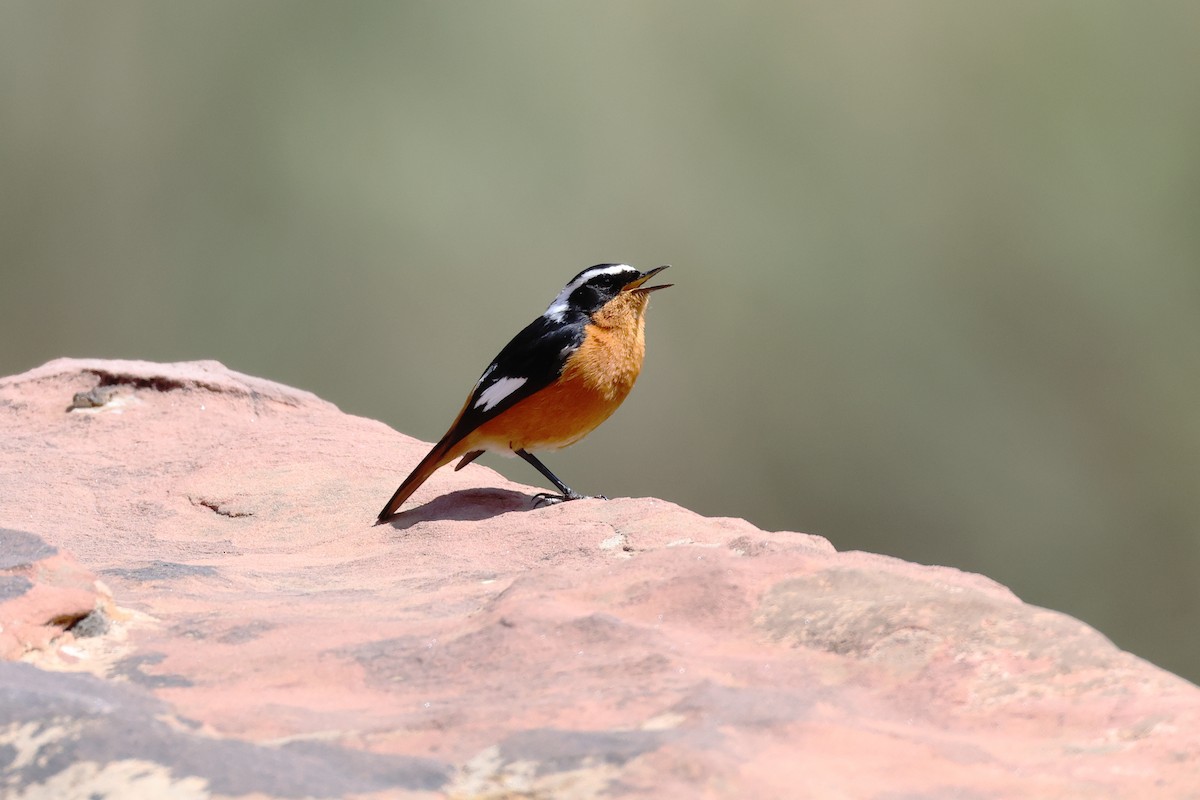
(441, 454)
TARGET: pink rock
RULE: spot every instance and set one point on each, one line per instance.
(44, 594)
(477, 647)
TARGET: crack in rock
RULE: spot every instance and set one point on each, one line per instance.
(220, 507)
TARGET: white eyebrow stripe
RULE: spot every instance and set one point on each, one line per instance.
(499, 390)
(559, 307)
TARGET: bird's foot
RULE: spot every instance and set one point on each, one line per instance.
(543, 499)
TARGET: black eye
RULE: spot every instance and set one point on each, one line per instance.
(610, 284)
(596, 286)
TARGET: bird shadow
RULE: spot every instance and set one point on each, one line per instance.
(464, 504)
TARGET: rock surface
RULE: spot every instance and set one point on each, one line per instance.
(195, 603)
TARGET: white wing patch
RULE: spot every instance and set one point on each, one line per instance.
(499, 390)
(559, 307)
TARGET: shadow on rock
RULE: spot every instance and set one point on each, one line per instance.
(464, 504)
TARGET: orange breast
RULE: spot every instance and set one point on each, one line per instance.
(594, 382)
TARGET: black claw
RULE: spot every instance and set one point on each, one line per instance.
(550, 499)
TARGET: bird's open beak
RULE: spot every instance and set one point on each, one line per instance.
(637, 284)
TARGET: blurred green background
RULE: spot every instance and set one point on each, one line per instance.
(937, 263)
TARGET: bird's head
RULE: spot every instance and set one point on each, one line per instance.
(595, 287)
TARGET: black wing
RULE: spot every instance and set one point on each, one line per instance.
(529, 363)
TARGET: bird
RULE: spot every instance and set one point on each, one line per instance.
(554, 383)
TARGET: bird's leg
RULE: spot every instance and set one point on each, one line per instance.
(545, 498)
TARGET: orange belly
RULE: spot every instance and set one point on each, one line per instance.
(594, 383)
(555, 417)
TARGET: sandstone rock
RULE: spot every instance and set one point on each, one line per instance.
(267, 640)
(45, 597)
